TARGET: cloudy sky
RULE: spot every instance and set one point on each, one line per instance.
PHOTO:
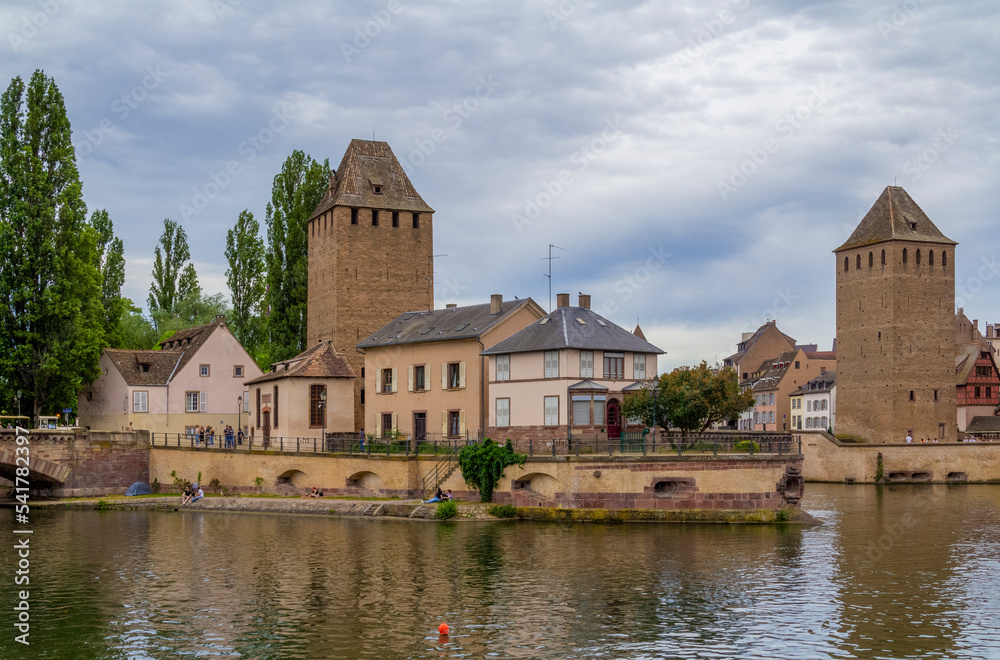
(696, 162)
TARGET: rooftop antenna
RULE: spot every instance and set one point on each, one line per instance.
(549, 259)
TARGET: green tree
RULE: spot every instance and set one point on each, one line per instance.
(136, 330)
(483, 465)
(192, 310)
(51, 317)
(246, 280)
(111, 258)
(173, 276)
(692, 399)
(296, 193)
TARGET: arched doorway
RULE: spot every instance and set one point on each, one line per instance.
(265, 418)
(614, 418)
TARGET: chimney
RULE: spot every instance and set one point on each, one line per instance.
(333, 177)
(496, 304)
(975, 324)
(585, 300)
(451, 306)
(562, 300)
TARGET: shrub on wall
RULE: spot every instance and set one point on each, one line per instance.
(446, 510)
(483, 465)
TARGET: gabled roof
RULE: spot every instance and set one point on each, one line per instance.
(189, 341)
(469, 322)
(754, 338)
(367, 164)
(320, 361)
(573, 327)
(161, 365)
(771, 371)
(895, 216)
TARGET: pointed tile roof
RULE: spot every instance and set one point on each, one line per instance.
(638, 332)
(320, 361)
(367, 164)
(895, 216)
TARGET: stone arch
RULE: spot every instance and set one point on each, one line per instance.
(365, 480)
(41, 471)
(540, 482)
(292, 477)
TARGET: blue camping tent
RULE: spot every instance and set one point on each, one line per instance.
(138, 488)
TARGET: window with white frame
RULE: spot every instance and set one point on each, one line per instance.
(551, 364)
(614, 366)
(203, 370)
(191, 401)
(551, 411)
(586, 364)
(503, 367)
(140, 402)
(639, 366)
(503, 412)
(823, 422)
(772, 416)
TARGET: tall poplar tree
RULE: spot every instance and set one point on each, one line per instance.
(111, 260)
(296, 193)
(173, 277)
(51, 318)
(246, 280)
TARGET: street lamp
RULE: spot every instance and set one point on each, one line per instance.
(322, 412)
(239, 415)
(652, 403)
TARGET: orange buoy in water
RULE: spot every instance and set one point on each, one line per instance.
(443, 629)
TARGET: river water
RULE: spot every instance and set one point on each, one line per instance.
(896, 572)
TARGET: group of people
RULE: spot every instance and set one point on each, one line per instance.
(192, 493)
(438, 497)
(315, 492)
(206, 435)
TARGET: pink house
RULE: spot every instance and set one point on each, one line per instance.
(195, 379)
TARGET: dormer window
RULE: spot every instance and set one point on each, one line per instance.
(913, 225)
(144, 367)
(377, 190)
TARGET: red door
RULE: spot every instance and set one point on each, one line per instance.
(614, 420)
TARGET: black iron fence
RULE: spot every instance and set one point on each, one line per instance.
(630, 443)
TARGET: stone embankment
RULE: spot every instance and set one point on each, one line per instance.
(415, 510)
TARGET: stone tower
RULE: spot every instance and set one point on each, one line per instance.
(370, 253)
(896, 326)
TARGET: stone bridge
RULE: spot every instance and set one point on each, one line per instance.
(77, 462)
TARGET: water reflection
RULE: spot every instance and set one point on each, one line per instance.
(897, 572)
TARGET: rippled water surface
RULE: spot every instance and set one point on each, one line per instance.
(896, 572)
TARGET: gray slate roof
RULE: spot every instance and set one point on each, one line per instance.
(573, 327)
(821, 383)
(895, 216)
(984, 424)
(435, 325)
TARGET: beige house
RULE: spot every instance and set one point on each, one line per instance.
(424, 372)
(776, 379)
(196, 379)
(565, 373)
(302, 397)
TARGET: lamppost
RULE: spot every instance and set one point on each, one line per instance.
(239, 416)
(652, 404)
(322, 412)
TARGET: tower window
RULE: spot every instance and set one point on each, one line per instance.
(911, 395)
(416, 221)
(847, 263)
(395, 218)
(377, 190)
(883, 257)
(374, 217)
(913, 225)
(944, 259)
(935, 395)
(871, 259)
(858, 265)
(918, 257)
(930, 257)
(354, 216)
(904, 255)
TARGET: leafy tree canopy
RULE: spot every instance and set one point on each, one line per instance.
(483, 465)
(246, 280)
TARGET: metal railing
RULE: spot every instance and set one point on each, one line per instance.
(334, 443)
(630, 443)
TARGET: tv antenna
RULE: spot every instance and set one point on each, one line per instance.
(549, 259)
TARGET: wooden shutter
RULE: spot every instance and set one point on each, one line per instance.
(378, 425)
(444, 376)
(394, 424)
(203, 401)
(461, 376)
(461, 422)
(395, 380)
(444, 423)
(409, 378)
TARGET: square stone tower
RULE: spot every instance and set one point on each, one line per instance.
(370, 253)
(896, 326)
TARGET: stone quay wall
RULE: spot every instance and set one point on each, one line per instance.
(726, 482)
(830, 460)
(77, 462)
